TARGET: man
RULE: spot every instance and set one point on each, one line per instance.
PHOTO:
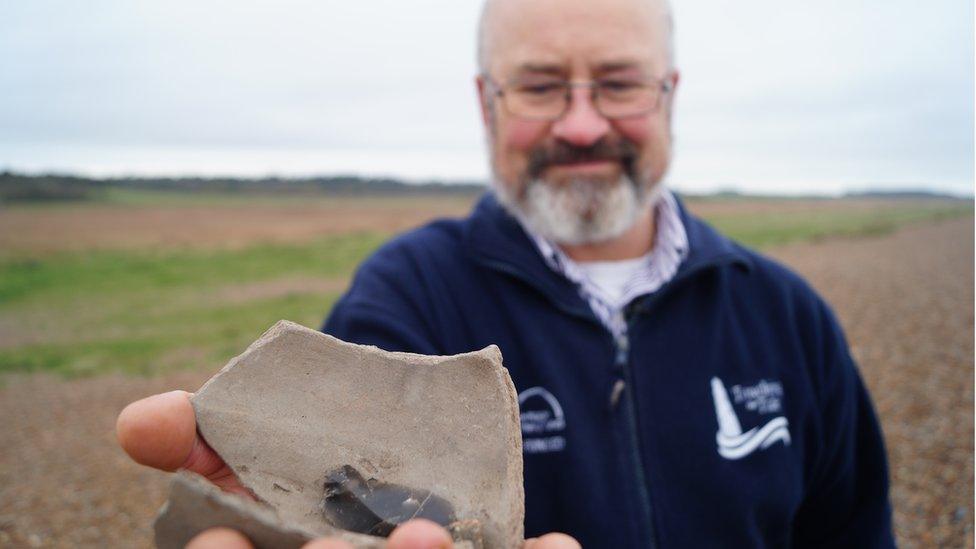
(676, 389)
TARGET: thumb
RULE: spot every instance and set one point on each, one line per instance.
(419, 534)
(552, 541)
(160, 431)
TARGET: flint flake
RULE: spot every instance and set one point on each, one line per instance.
(373, 507)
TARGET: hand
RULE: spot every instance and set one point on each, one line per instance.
(414, 534)
(160, 431)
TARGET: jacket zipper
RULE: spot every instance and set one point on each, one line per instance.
(622, 345)
(622, 361)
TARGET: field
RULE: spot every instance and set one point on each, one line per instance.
(107, 301)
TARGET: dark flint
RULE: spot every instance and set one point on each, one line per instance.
(373, 507)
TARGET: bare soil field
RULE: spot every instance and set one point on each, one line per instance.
(208, 225)
(905, 300)
(231, 224)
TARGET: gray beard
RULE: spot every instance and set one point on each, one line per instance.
(579, 211)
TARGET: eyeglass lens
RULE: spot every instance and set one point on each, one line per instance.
(550, 100)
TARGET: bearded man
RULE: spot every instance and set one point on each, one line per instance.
(676, 389)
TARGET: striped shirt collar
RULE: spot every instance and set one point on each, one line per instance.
(670, 249)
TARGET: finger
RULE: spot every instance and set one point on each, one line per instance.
(159, 431)
(419, 534)
(219, 538)
(328, 543)
(552, 541)
(202, 460)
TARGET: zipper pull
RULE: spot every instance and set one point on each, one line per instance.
(623, 347)
(619, 387)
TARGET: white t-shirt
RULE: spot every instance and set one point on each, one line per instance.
(646, 274)
(612, 277)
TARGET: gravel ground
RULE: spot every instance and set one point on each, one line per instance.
(906, 303)
(905, 299)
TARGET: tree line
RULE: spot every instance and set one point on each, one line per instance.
(18, 187)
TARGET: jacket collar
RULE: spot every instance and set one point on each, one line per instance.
(497, 241)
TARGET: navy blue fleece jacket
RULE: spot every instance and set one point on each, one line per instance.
(731, 415)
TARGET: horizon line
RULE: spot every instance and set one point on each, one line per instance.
(717, 188)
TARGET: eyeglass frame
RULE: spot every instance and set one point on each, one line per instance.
(664, 85)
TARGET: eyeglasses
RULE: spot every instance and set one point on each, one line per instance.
(549, 98)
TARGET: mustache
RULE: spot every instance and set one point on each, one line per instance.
(563, 153)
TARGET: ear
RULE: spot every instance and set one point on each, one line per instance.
(483, 99)
(674, 77)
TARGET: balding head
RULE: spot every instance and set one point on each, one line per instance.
(499, 16)
(583, 175)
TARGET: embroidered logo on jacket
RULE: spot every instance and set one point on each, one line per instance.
(764, 398)
(542, 417)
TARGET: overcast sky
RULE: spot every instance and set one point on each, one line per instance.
(816, 96)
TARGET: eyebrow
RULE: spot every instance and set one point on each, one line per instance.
(544, 68)
(558, 70)
(617, 65)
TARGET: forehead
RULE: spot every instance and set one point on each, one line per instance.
(575, 34)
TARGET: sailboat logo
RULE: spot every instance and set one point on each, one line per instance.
(732, 442)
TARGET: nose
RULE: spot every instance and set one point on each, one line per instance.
(581, 125)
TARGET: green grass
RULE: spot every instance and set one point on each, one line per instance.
(201, 337)
(776, 228)
(140, 311)
(67, 276)
(151, 311)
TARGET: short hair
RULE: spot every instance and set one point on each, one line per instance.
(482, 48)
